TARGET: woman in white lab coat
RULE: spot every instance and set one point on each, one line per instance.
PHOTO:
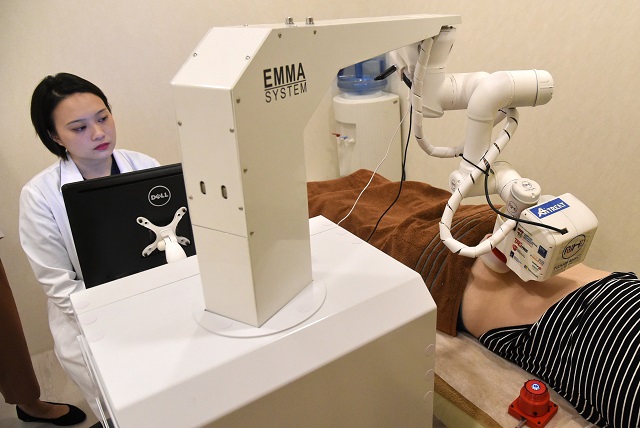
(73, 119)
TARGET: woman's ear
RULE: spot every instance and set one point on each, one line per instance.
(55, 137)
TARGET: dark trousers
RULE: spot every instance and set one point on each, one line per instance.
(18, 383)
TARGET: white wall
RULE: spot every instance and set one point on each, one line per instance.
(133, 49)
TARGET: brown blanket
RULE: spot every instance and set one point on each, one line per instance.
(409, 232)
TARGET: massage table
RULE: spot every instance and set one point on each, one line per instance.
(474, 386)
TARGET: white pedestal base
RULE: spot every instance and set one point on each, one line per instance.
(298, 310)
(365, 357)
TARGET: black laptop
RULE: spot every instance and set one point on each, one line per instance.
(103, 214)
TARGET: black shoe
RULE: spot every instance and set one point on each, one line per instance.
(72, 417)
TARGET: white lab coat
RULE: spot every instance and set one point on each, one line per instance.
(46, 238)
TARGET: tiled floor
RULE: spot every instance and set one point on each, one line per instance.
(56, 386)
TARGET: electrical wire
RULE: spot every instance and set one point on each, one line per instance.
(522, 423)
(377, 167)
(402, 177)
(408, 82)
(519, 220)
(507, 216)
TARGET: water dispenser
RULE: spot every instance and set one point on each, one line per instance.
(366, 119)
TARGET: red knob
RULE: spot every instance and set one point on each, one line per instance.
(534, 398)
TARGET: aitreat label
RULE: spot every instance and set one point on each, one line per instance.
(551, 207)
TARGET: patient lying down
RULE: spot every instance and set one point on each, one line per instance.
(579, 331)
(493, 300)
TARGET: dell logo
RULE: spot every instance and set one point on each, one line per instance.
(159, 196)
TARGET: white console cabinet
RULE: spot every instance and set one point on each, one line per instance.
(364, 356)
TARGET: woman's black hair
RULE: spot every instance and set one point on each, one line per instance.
(46, 97)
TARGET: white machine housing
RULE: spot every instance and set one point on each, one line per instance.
(243, 99)
(365, 358)
(538, 253)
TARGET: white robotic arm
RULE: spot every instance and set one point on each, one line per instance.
(532, 248)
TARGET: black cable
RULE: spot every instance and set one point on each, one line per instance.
(388, 72)
(518, 220)
(402, 176)
(406, 80)
(507, 216)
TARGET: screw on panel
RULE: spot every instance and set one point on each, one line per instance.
(195, 54)
(288, 21)
(232, 130)
(179, 123)
(238, 100)
(309, 20)
(247, 57)
(245, 170)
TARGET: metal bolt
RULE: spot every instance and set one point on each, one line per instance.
(195, 54)
(247, 57)
(240, 208)
(179, 123)
(288, 21)
(244, 170)
(238, 100)
(232, 130)
(309, 20)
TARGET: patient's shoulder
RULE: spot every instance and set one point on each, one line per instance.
(582, 274)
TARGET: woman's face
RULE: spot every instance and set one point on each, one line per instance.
(84, 126)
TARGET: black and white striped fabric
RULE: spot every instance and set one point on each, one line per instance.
(587, 348)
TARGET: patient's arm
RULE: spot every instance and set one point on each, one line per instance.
(492, 300)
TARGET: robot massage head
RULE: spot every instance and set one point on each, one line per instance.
(551, 237)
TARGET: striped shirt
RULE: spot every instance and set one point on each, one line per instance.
(587, 348)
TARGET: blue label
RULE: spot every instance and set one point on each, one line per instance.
(542, 251)
(551, 207)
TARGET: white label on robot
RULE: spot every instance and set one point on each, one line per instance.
(573, 247)
(283, 82)
(551, 207)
